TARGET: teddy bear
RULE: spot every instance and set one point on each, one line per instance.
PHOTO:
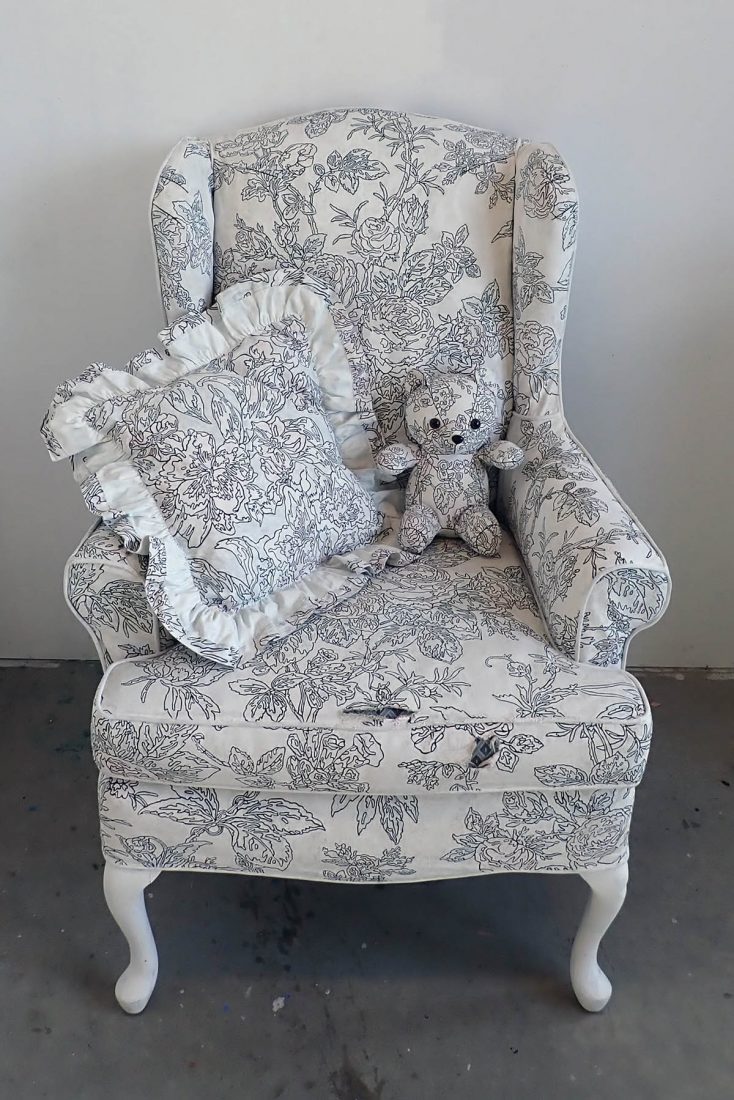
(453, 442)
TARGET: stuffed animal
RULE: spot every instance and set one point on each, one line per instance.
(450, 422)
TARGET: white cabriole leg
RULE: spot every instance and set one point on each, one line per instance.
(608, 888)
(123, 891)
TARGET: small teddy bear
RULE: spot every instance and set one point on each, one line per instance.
(450, 423)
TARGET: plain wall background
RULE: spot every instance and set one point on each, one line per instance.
(636, 95)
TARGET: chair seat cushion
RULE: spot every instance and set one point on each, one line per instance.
(387, 693)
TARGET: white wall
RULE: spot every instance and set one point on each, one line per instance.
(637, 95)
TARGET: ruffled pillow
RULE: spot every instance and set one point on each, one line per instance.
(250, 315)
(221, 459)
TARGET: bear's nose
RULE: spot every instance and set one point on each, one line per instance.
(457, 439)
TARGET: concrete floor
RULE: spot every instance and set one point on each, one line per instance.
(407, 992)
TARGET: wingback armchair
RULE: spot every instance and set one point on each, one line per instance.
(461, 715)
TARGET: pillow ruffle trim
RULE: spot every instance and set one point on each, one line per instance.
(83, 411)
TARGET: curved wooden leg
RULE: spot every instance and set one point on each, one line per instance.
(123, 891)
(608, 888)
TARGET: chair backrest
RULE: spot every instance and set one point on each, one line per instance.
(450, 245)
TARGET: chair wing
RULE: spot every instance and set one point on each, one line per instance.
(597, 574)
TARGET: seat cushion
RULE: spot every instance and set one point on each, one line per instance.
(389, 693)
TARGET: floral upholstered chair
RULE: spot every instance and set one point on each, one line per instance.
(461, 715)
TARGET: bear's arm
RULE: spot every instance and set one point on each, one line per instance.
(503, 454)
(395, 459)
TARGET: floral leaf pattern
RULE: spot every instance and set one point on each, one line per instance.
(231, 470)
(526, 833)
(598, 576)
(353, 866)
(104, 587)
(351, 202)
(436, 245)
(177, 828)
(367, 718)
(403, 267)
(257, 828)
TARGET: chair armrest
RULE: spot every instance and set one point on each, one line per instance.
(597, 575)
(103, 585)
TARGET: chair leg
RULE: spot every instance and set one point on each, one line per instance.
(608, 888)
(123, 891)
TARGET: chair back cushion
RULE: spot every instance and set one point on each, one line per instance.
(408, 221)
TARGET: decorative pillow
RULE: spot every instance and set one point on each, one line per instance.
(271, 316)
(223, 461)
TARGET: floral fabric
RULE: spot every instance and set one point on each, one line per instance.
(346, 752)
(262, 319)
(390, 691)
(235, 481)
(449, 245)
(406, 219)
(353, 838)
(597, 574)
(104, 587)
(543, 245)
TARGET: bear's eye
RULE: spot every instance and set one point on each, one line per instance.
(474, 424)
(434, 423)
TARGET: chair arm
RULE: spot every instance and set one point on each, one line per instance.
(103, 585)
(597, 575)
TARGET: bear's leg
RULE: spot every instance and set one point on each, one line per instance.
(419, 528)
(479, 528)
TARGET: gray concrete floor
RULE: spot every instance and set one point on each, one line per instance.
(406, 992)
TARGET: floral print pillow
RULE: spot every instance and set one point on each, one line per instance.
(233, 478)
(272, 317)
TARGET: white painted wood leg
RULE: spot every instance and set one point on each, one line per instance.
(608, 888)
(123, 891)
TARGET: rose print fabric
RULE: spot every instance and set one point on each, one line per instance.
(345, 752)
(358, 731)
(227, 468)
(450, 246)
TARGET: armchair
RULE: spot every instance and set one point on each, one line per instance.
(461, 715)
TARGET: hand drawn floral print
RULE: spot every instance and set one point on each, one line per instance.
(354, 866)
(380, 254)
(323, 761)
(536, 351)
(435, 244)
(258, 828)
(546, 191)
(526, 834)
(116, 604)
(573, 534)
(204, 482)
(389, 809)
